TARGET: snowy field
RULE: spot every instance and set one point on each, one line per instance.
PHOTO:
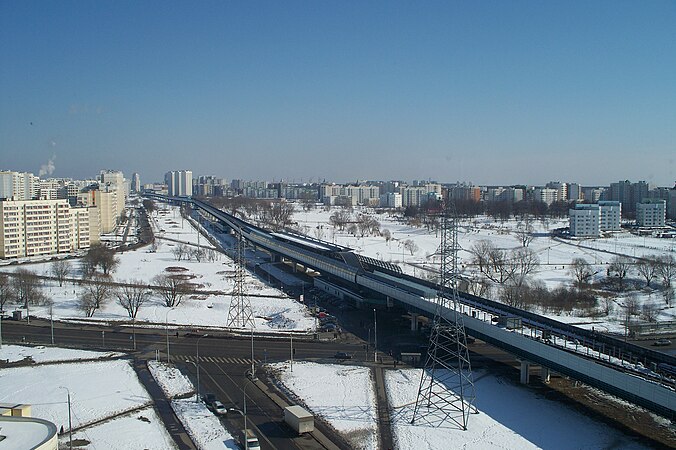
(140, 430)
(41, 354)
(510, 417)
(341, 395)
(98, 390)
(273, 310)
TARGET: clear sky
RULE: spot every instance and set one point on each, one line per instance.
(490, 92)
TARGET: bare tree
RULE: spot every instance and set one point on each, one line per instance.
(172, 288)
(647, 268)
(180, 251)
(100, 256)
(493, 262)
(60, 270)
(132, 296)
(198, 254)
(86, 303)
(581, 271)
(97, 292)
(668, 294)
(411, 246)
(524, 231)
(386, 234)
(525, 262)
(6, 291)
(279, 215)
(353, 229)
(480, 287)
(649, 312)
(619, 269)
(26, 287)
(667, 270)
(339, 219)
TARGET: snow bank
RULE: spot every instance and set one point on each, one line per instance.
(205, 429)
(42, 354)
(170, 379)
(341, 395)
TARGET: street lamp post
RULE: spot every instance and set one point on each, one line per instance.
(166, 324)
(133, 330)
(253, 368)
(246, 440)
(51, 322)
(197, 366)
(291, 353)
(70, 422)
(375, 337)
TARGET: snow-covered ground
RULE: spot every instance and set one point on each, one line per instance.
(273, 310)
(142, 429)
(98, 390)
(106, 397)
(510, 416)
(171, 380)
(205, 429)
(555, 255)
(342, 395)
(41, 354)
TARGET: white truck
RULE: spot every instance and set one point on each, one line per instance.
(299, 419)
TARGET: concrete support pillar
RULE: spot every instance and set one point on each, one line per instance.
(525, 372)
(414, 322)
(544, 374)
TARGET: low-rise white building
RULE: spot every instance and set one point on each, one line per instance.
(584, 220)
(651, 213)
(610, 214)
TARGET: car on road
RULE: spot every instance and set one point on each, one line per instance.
(662, 342)
(342, 355)
(219, 408)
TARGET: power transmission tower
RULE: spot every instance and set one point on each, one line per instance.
(240, 314)
(446, 391)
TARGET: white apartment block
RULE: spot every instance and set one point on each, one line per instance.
(354, 195)
(391, 200)
(41, 227)
(107, 208)
(179, 183)
(18, 185)
(651, 213)
(589, 220)
(584, 221)
(545, 195)
(610, 214)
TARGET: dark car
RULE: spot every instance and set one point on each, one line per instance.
(342, 355)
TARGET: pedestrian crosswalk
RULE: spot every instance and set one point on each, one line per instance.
(216, 359)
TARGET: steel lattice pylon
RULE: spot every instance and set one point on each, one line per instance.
(446, 391)
(240, 314)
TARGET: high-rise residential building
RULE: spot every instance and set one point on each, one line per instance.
(179, 183)
(391, 200)
(628, 193)
(18, 185)
(42, 227)
(107, 206)
(561, 189)
(574, 192)
(136, 183)
(651, 213)
(545, 195)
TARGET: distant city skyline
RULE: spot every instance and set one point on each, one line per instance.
(494, 93)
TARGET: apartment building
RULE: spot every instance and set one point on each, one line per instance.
(584, 220)
(651, 213)
(42, 227)
(179, 183)
(610, 215)
(18, 185)
(589, 220)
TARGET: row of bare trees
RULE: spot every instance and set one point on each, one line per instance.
(503, 266)
(23, 288)
(199, 254)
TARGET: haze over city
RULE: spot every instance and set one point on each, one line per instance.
(488, 92)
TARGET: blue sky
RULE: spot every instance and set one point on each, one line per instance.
(489, 92)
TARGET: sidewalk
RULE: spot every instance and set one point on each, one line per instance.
(164, 409)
